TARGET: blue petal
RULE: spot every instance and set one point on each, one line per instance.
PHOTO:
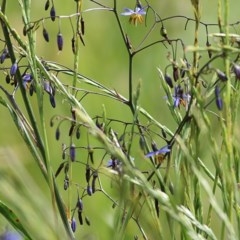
(127, 12)
(162, 150)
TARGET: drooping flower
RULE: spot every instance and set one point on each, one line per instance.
(136, 16)
(159, 154)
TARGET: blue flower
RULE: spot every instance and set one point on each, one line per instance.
(162, 150)
(159, 155)
(136, 16)
(10, 236)
(179, 97)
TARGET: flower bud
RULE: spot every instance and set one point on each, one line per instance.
(219, 101)
(73, 225)
(8, 79)
(60, 41)
(236, 70)
(53, 13)
(221, 75)
(13, 69)
(87, 221)
(47, 4)
(72, 152)
(89, 190)
(80, 217)
(79, 204)
(4, 55)
(45, 35)
(52, 101)
(57, 133)
(88, 173)
(168, 80)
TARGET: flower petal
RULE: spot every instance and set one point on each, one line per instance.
(162, 150)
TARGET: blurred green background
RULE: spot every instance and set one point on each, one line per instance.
(104, 58)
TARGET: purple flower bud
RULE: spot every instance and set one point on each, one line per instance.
(4, 55)
(88, 173)
(47, 4)
(82, 26)
(13, 69)
(73, 45)
(95, 176)
(10, 236)
(236, 69)
(45, 35)
(219, 101)
(175, 73)
(89, 190)
(78, 133)
(32, 89)
(60, 41)
(168, 80)
(57, 133)
(79, 204)
(73, 225)
(80, 217)
(72, 152)
(52, 101)
(53, 13)
(222, 76)
(8, 79)
(27, 78)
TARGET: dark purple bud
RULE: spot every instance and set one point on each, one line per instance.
(52, 101)
(88, 173)
(221, 75)
(4, 55)
(53, 13)
(90, 152)
(236, 70)
(31, 89)
(73, 114)
(57, 134)
(154, 146)
(71, 130)
(45, 35)
(27, 78)
(164, 133)
(95, 176)
(79, 204)
(80, 217)
(89, 190)
(219, 101)
(73, 45)
(47, 4)
(175, 73)
(82, 26)
(60, 41)
(156, 206)
(72, 152)
(66, 168)
(65, 185)
(78, 133)
(87, 221)
(59, 169)
(8, 79)
(13, 69)
(168, 80)
(73, 225)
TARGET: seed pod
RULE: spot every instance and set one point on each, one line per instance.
(57, 133)
(59, 169)
(45, 35)
(80, 217)
(72, 152)
(60, 41)
(13, 69)
(52, 101)
(221, 75)
(53, 13)
(8, 79)
(47, 4)
(87, 221)
(73, 225)
(168, 80)
(236, 70)
(88, 173)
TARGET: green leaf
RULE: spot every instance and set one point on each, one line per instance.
(13, 219)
